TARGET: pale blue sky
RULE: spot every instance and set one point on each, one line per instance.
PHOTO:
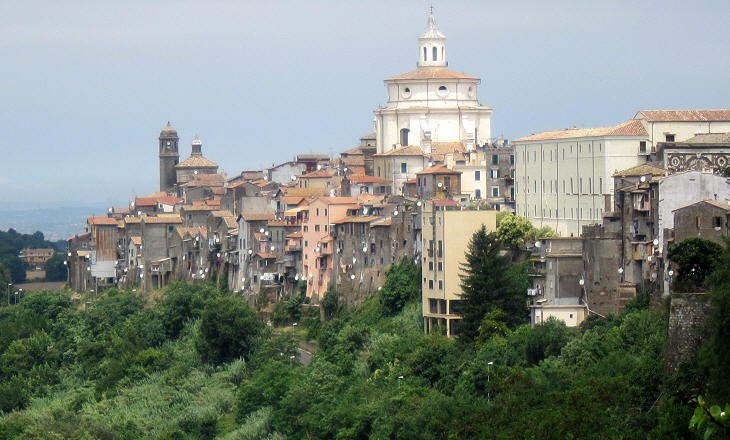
(86, 86)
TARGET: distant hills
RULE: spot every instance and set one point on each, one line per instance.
(56, 223)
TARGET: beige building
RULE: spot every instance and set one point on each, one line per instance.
(446, 232)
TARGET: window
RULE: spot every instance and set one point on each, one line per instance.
(495, 191)
(512, 159)
(477, 194)
(441, 249)
(495, 159)
(316, 228)
(424, 54)
(512, 193)
(495, 173)
(670, 137)
(430, 265)
(477, 175)
(430, 284)
(433, 305)
(325, 228)
(441, 285)
(642, 147)
(441, 266)
(317, 212)
(718, 222)
(325, 212)
(435, 54)
(403, 168)
(306, 228)
(404, 136)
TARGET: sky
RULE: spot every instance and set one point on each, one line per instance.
(86, 86)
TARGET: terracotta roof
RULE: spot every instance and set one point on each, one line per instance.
(265, 255)
(214, 203)
(432, 73)
(131, 219)
(354, 151)
(153, 201)
(629, 128)
(312, 157)
(197, 162)
(444, 202)
(408, 150)
(292, 200)
(359, 178)
(708, 138)
(369, 136)
(683, 115)
(367, 198)
(260, 236)
(101, 220)
(446, 147)
(340, 200)
(193, 208)
(384, 222)
(354, 161)
(718, 204)
(136, 240)
(221, 214)
(318, 173)
(218, 190)
(304, 192)
(357, 170)
(356, 219)
(231, 222)
(410, 181)
(77, 236)
(297, 234)
(438, 169)
(641, 170)
(166, 218)
(257, 216)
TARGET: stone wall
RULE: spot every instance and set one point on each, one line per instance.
(687, 315)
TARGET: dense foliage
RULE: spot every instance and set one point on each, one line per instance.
(124, 368)
(514, 229)
(695, 259)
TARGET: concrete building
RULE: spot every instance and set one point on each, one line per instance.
(680, 125)
(438, 182)
(557, 281)
(36, 257)
(431, 103)
(564, 177)
(708, 219)
(446, 232)
(400, 165)
(487, 173)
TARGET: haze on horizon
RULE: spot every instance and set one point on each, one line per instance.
(87, 86)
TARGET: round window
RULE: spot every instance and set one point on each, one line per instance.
(406, 92)
(443, 91)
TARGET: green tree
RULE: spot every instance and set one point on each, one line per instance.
(5, 279)
(229, 329)
(514, 229)
(55, 269)
(489, 282)
(696, 259)
(330, 302)
(16, 267)
(402, 284)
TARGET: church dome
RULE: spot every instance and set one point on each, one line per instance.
(432, 31)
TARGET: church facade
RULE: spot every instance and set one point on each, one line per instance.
(432, 103)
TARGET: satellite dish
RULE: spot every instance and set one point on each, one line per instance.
(395, 212)
(643, 179)
(418, 203)
(538, 244)
(440, 184)
(332, 193)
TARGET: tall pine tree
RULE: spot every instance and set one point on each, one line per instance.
(491, 285)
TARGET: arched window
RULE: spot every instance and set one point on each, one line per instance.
(435, 54)
(424, 54)
(404, 136)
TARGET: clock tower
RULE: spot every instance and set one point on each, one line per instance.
(169, 157)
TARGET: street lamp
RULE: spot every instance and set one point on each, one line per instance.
(489, 364)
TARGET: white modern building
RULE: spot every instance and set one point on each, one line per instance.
(431, 103)
(563, 178)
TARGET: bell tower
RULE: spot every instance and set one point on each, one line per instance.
(432, 45)
(169, 157)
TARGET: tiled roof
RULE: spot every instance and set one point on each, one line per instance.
(432, 73)
(319, 173)
(297, 234)
(136, 240)
(206, 180)
(384, 222)
(131, 219)
(292, 200)
(78, 236)
(446, 147)
(194, 208)
(370, 136)
(163, 218)
(221, 214)
(354, 151)
(717, 204)
(629, 128)
(197, 162)
(339, 200)
(641, 170)
(231, 222)
(709, 138)
(410, 181)
(356, 219)
(438, 169)
(257, 216)
(444, 202)
(359, 178)
(408, 150)
(357, 170)
(304, 192)
(265, 255)
(684, 115)
(102, 221)
(152, 200)
(312, 157)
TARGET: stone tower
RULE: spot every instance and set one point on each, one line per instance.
(169, 157)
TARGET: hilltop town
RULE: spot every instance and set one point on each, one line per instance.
(415, 188)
